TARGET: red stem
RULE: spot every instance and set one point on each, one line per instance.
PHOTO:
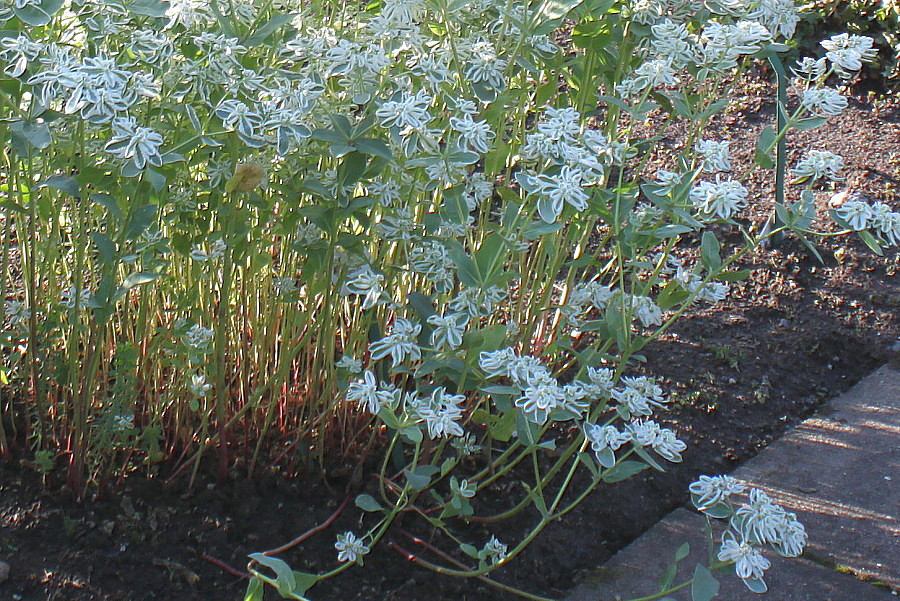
(310, 532)
(226, 567)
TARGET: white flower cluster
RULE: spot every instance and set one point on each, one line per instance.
(754, 523)
(216, 251)
(845, 54)
(589, 296)
(350, 548)
(711, 292)
(431, 259)
(368, 394)
(198, 338)
(848, 52)
(494, 551)
(440, 411)
(818, 164)
(363, 281)
(876, 217)
(68, 297)
(543, 398)
(579, 157)
(647, 433)
(720, 199)
(675, 50)
(198, 385)
(400, 343)
(17, 312)
(540, 397)
(637, 397)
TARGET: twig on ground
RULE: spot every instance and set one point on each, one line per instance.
(226, 567)
(311, 531)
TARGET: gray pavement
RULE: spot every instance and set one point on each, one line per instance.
(839, 471)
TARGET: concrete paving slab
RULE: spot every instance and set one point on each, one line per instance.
(839, 472)
(635, 571)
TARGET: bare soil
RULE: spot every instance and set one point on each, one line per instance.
(793, 335)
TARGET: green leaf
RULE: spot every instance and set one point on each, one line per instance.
(304, 582)
(374, 147)
(683, 551)
(413, 433)
(717, 511)
(871, 242)
(665, 581)
(709, 252)
(736, 275)
(285, 580)
(623, 470)
(106, 248)
(671, 230)
(463, 157)
(416, 480)
(673, 294)
(329, 135)
(63, 183)
(140, 220)
(27, 133)
(469, 550)
(465, 266)
(643, 454)
(527, 431)
(157, 180)
(705, 585)
(37, 14)
(535, 229)
(110, 203)
(484, 92)
(495, 160)
(389, 418)
(490, 257)
(421, 303)
(498, 389)
(590, 463)
(503, 428)
(255, 590)
(764, 145)
(150, 8)
(633, 111)
(714, 108)
(756, 585)
(352, 168)
(448, 464)
(537, 497)
(368, 503)
(139, 278)
(267, 29)
(809, 123)
(340, 150)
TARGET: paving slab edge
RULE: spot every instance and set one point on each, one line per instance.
(871, 407)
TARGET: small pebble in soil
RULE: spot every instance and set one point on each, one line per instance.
(4, 571)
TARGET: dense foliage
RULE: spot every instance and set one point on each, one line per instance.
(878, 19)
(298, 231)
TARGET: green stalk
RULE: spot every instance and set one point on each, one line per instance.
(221, 340)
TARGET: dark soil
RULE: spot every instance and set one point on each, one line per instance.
(796, 333)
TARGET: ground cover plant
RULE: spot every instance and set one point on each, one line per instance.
(878, 20)
(279, 234)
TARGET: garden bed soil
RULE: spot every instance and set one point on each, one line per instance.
(794, 334)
